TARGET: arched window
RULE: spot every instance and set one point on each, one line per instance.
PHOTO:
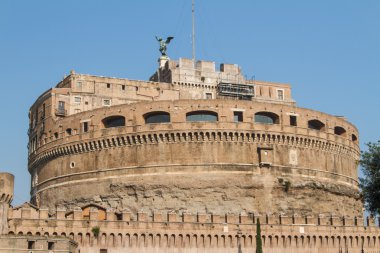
(157, 117)
(114, 121)
(315, 124)
(339, 130)
(69, 131)
(201, 116)
(266, 118)
(354, 138)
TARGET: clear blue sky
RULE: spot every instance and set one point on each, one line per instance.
(328, 50)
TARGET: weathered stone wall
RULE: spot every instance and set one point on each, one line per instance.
(208, 166)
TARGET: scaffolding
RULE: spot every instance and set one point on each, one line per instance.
(236, 91)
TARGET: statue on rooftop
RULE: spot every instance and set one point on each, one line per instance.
(163, 44)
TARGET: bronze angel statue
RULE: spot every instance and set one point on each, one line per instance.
(163, 44)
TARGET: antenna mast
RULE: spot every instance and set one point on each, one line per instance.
(193, 32)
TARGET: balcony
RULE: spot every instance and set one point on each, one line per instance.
(60, 112)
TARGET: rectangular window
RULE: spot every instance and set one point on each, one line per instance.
(61, 105)
(77, 100)
(31, 244)
(123, 87)
(293, 120)
(107, 102)
(50, 245)
(103, 251)
(43, 111)
(79, 84)
(208, 95)
(36, 116)
(108, 85)
(238, 116)
(280, 94)
(85, 127)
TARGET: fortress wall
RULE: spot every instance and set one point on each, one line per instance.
(171, 154)
(170, 232)
(208, 188)
(264, 157)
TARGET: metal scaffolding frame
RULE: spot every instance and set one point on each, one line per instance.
(237, 91)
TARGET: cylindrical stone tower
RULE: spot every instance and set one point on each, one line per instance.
(192, 139)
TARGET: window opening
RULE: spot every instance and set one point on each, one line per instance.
(208, 95)
(108, 85)
(114, 121)
(293, 120)
(238, 116)
(43, 111)
(50, 245)
(339, 130)
(123, 87)
(85, 127)
(31, 244)
(280, 94)
(266, 118)
(157, 117)
(36, 116)
(77, 100)
(316, 124)
(61, 105)
(60, 111)
(201, 116)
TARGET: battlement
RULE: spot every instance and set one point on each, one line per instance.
(97, 213)
(118, 230)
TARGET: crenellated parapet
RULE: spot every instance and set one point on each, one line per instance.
(123, 229)
(97, 213)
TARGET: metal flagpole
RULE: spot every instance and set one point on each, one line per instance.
(193, 31)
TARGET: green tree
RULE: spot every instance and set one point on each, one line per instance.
(259, 243)
(370, 183)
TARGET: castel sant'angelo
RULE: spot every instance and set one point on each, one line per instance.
(186, 162)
